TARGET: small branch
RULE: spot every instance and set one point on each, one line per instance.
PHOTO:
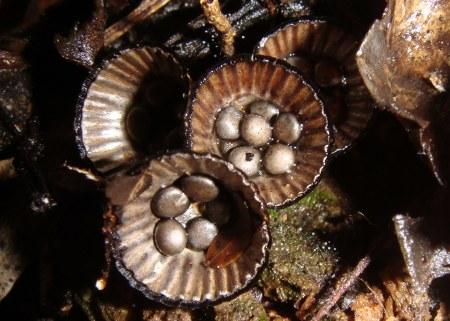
(343, 284)
(110, 220)
(85, 172)
(213, 13)
(252, 12)
(142, 12)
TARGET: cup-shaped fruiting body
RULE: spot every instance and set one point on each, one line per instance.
(209, 252)
(130, 106)
(279, 109)
(325, 54)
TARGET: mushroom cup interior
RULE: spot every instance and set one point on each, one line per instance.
(239, 84)
(131, 106)
(191, 277)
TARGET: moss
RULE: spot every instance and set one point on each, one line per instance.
(299, 262)
(273, 214)
(320, 196)
(321, 203)
(245, 307)
(263, 317)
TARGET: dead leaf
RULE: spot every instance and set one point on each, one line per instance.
(408, 72)
(368, 307)
(425, 260)
(232, 241)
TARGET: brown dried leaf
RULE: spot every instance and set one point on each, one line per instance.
(227, 247)
(404, 64)
(231, 242)
(424, 260)
(368, 307)
(391, 297)
(401, 301)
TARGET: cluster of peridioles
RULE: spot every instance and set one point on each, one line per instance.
(262, 135)
(175, 231)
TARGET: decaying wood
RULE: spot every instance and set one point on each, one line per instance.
(213, 13)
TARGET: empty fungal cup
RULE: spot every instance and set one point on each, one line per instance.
(131, 106)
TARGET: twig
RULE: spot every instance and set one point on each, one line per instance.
(87, 173)
(375, 295)
(142, 12)
(213, 13)
(193, 45)
(344, 283)
(110, 220)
